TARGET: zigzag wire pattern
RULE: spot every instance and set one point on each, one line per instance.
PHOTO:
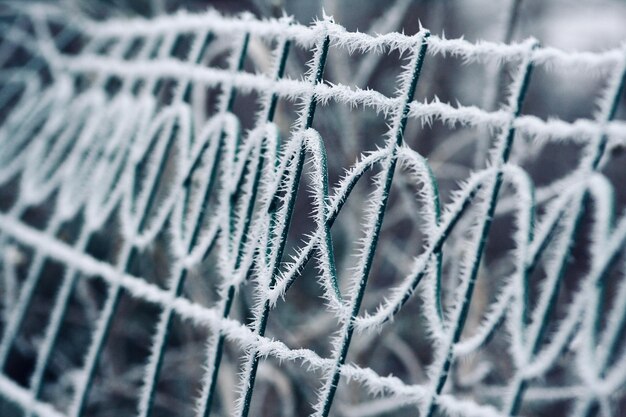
(249, 181)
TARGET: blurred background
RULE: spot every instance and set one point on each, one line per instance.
(302, 320)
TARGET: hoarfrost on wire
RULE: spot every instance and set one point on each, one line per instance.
(216, 189)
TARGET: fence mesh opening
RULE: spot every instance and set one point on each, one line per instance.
(204, 214)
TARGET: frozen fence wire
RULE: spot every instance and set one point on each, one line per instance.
(106, 135)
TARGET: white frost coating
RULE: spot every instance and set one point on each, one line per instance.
(273, 28)
(23, 399)
(208, 186)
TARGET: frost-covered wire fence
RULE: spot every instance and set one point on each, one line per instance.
(137, 192)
